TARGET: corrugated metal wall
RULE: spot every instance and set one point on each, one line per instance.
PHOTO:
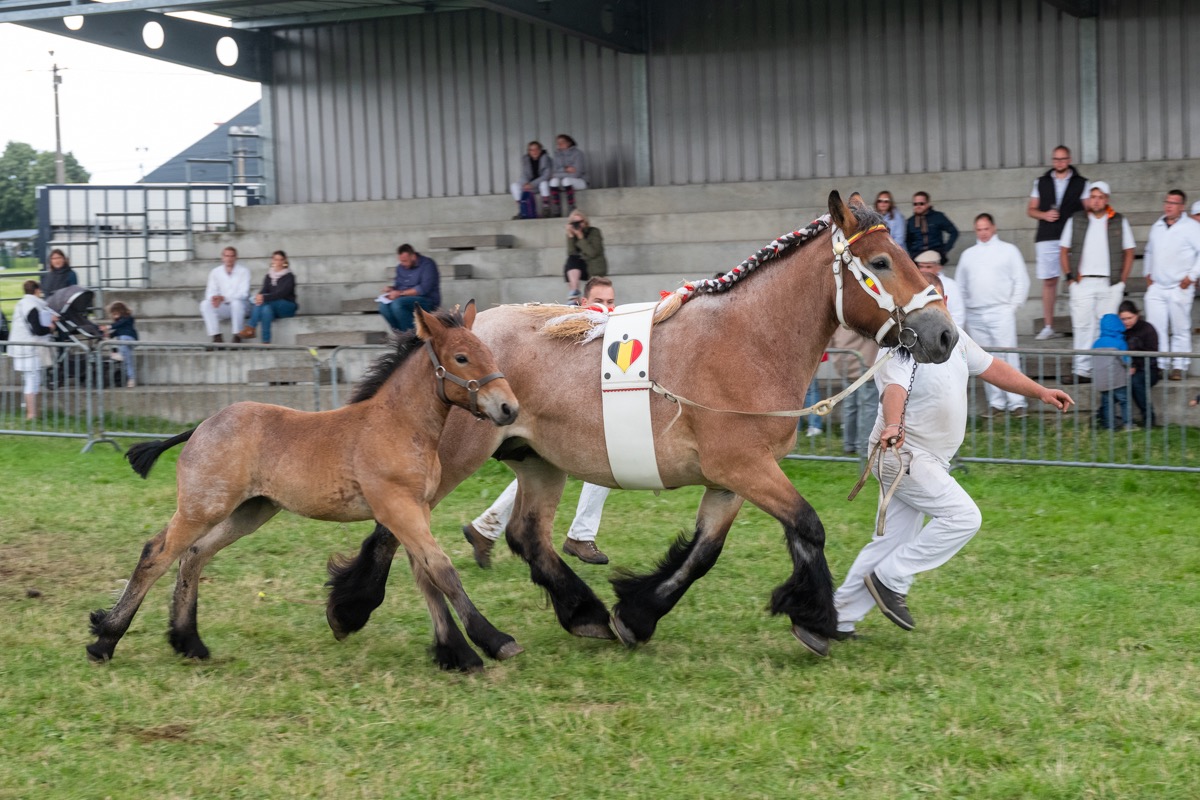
(737, 90)
(440, 105)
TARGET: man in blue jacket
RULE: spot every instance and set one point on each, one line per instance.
(416, 284)
(929, 229)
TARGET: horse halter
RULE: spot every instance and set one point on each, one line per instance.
(874, 288)
(441, 374)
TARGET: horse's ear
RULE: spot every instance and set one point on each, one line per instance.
(468, 314)
(426, 324)
(841, 214)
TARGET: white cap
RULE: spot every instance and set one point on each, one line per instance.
(929, 257)
(1101, 185)
(1196, 208)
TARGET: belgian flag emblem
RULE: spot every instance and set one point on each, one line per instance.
(623, 354)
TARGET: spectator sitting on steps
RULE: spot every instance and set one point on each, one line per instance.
(59, 275)
(275, 300)
(416, 284)
(535, 177)
(226, 296)
(569, 173)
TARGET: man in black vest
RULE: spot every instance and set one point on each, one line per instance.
(1056, 197)
(1096, 254)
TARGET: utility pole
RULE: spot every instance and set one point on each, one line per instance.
(60, 169)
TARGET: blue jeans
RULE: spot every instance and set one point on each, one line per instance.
(859, 410)
(1141, 383)
(1105, 415)
(399, 312)
(127, 353)
(811, 396)
(275, 309)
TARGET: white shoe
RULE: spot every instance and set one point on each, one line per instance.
(131, 384)
(812, 431)
(1045, 333)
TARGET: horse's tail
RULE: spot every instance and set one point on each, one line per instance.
(142, 456)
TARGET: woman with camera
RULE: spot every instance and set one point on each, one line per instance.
(585, 254)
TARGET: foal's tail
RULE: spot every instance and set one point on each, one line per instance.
(142, 456)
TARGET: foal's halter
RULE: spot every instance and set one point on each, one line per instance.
(441, 374)
(842, 256)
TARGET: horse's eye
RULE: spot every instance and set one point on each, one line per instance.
(881, 263)
(460, 358)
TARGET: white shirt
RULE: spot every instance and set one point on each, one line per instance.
(935, 421)
(1093, 261)
(954, 300)
(1060, 186)
(230, 285)
(992, 274)
(1172, 253)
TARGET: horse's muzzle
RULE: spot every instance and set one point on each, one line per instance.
(936, 334)
(501, 407)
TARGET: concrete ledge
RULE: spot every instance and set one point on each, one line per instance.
(289, 375)
(1061, 325)
(361, 305)
(340, 338)
(471, 242)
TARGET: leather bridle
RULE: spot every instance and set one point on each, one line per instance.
(441, 375)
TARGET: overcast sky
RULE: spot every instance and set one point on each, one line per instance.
(112, 103)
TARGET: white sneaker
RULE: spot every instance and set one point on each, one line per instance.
(1045, 333)
(812, 431)
(131, 384)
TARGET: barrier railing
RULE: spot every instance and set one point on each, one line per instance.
(1079, 438)
(85, 394)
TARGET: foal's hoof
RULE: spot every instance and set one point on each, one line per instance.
(623, 633)
(815, 644)
(593, 630)
(509, 650)
(335, 625)
(99, 653)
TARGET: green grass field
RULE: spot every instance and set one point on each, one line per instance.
(11, 287)
(1055, 657)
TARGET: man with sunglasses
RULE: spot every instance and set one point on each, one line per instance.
(929, 229)
(1057, 196)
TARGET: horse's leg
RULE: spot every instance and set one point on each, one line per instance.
(409, 523)
(357, 585)
(645, 599)
(530, 535)
(182, 632)
(450, 649)
(157, 556)
(807, 596)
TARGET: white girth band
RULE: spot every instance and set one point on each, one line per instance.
(625, 394)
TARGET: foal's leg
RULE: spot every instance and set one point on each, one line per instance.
(807, 596)
(530, 535)
(157, 556)
(430, 563)
(182, 632)
(450, 649)
(358, 584)
(645, 599)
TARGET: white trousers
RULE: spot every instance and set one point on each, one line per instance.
(568, 183)
(907, 548)
(1169, 310)
(1091, 299)
(518, 187)
(997, 327)
(233, 310)
(491, 523)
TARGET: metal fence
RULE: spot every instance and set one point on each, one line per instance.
(86, 394)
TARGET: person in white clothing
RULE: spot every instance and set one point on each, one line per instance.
(33, 321)
(925, 429)
(1096, 254)
(1056, 197)
(484, 530)
(1172, 267)
(227, 296)
(994, 284)
(930, 263)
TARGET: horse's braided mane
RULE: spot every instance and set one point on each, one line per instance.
(584, 328)
(405, 345)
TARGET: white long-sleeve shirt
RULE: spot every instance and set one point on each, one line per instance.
(992, 274)
(1173, 252)
(954, 301)
(230, 285)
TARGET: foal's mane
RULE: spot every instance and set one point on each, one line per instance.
(405, 345)
(583, 327)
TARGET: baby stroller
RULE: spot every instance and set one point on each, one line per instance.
(72, 304)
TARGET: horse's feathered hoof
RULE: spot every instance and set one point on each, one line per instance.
(509, 650)
(623, 633)
(593, 630)
(813, 643)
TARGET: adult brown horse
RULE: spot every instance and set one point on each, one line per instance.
(376, 458)
(753, 348)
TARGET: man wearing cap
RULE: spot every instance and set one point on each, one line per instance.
(930, 263)
(1172, 267)
(1095, 254)
(1057, 196)
(994, 286)
(929, 229)
(1195, 214)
